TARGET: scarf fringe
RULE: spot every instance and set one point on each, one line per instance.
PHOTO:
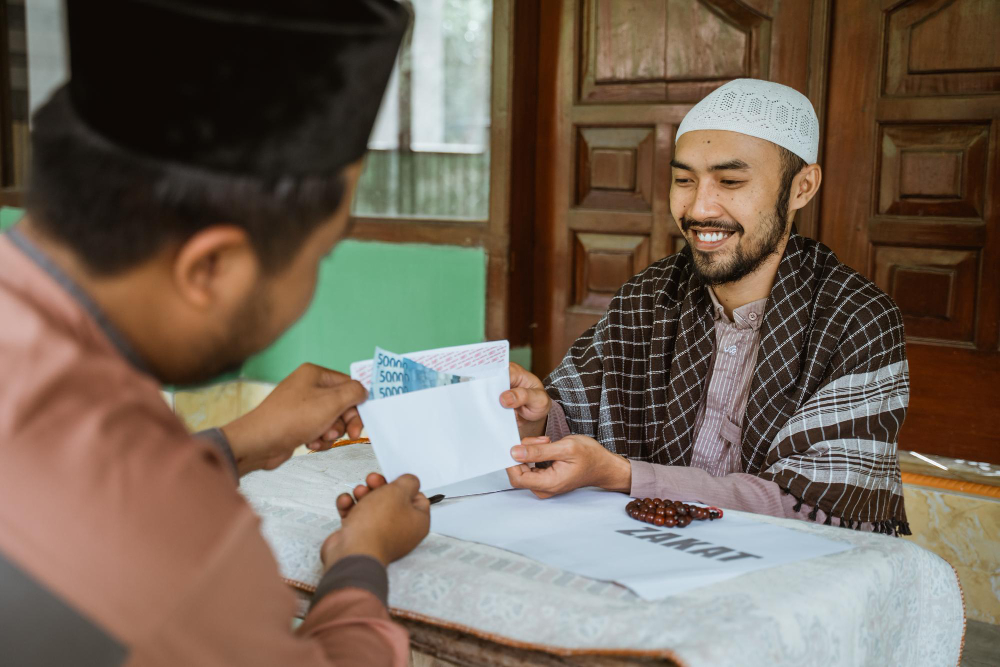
(893, 527)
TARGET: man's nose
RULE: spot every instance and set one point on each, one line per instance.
(705, 205)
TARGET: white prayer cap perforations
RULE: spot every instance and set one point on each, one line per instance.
(761, 109)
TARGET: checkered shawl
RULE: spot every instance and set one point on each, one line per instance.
(827, 399)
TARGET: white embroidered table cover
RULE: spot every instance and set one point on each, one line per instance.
(887, 601)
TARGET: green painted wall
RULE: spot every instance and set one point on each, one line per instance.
(400, 297)
(8, 216)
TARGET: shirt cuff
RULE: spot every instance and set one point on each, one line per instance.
(643, 480)
(358, 571)
(218, 439)
(556, 426)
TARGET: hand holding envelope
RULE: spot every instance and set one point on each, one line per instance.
(450, 433)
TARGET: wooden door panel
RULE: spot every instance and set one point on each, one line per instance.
(669, 50)
(602, 263)
(942, 47)
(935, 290)
(615, 178)
(933, 170)
(616, 77)
(615, 168)
(910, 174)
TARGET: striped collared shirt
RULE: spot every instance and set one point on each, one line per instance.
(719, 424)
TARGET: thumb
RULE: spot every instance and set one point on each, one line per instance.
(408, 484)
(326, 377)
(345, 395)
(535, 453)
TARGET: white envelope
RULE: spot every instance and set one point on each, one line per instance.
(446, 434)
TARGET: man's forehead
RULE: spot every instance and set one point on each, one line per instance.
(703, 149)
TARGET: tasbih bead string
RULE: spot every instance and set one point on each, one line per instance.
(670, 513)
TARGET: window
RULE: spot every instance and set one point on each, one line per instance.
(32, 48)
(429, 153)
(440, 168)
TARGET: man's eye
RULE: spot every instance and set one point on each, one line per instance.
(682, 181)
(728, 182)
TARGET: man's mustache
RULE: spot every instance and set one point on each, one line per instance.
(722, 225)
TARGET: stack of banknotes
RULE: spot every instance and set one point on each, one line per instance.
(394, 374)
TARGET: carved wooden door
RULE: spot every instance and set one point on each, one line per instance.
(911, 198)
(616, 77)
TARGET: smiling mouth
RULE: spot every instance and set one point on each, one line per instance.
(712, 237)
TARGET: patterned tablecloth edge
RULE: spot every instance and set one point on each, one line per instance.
(563, 651)
(965, 614)
(514, 643)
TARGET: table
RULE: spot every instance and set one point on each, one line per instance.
(885, 602)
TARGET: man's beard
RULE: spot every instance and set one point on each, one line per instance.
(228, 352)
(746, 258)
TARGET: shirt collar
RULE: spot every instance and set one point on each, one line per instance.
(45, 263)
(747, 316)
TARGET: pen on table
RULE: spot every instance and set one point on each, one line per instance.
(341, 443)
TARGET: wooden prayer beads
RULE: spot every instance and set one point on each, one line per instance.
(669, 513)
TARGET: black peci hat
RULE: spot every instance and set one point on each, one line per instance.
(262, 88)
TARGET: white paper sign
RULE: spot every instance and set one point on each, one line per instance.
(587, 532)
(446, 434)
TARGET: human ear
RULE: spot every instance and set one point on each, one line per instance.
(804, 186)
(215, 267)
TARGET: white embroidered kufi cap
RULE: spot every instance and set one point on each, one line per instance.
(761, 109)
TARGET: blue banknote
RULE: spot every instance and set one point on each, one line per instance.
(394, 374)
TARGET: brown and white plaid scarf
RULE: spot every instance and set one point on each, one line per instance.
(828, 396)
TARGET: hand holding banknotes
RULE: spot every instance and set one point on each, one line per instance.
(528, 398)
(313, 405)
(386, 521)
(437, 413)
(577, 461)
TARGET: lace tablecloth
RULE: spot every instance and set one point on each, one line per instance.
(885, 602)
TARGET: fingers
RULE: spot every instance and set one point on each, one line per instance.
(349, 423)
(336, 430)
(542, 451)
(422, 503)
(375, 480)
(324, 377)
(538, 440)
(372, 482)
(354, 424)
(515, 474)
(534, 400)
(541, 482)
(331, 435)
(521, 377)
(344, 396)
(344, 504)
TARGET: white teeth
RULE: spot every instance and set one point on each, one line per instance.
(711, 237)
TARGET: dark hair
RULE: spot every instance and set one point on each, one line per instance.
(116, 209)
(791, 165)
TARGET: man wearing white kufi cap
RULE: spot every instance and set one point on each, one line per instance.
(752, 370)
